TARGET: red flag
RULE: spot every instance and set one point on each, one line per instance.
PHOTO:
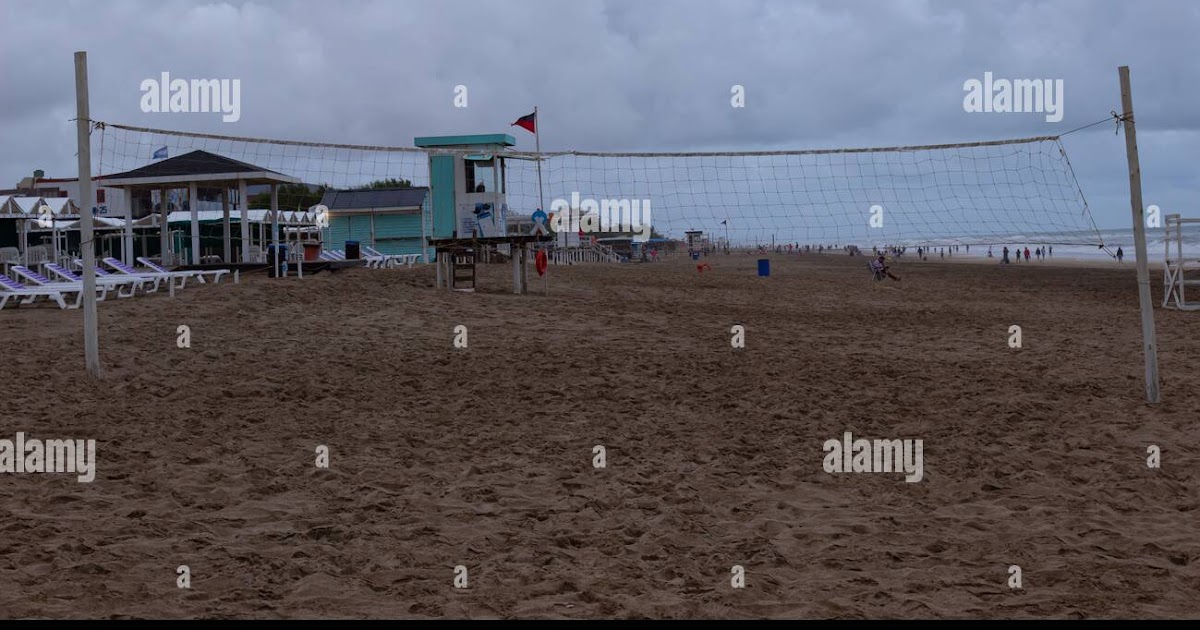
(528, 123)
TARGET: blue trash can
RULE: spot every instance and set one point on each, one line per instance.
(764, 267)
(695, 255)
(277, 254)
(352, 250)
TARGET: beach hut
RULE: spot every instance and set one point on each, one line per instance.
(21, 211)
(387, 219)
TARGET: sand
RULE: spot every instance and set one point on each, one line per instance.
(483, 457)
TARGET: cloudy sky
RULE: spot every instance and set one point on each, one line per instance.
(623, 75)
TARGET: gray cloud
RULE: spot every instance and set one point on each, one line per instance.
(621, 74)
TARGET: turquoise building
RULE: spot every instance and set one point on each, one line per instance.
(392, 220)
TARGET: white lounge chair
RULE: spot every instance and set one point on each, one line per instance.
(64, 288)
(155, 277)
(374, 259)
(380, 259)
(10, 289)
(150, 284)
(131, 283)
(195, 273)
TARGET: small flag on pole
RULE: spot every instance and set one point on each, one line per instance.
(160, 154)
(725, 222)
(527, 122)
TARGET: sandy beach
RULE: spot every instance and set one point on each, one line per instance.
(483, 457)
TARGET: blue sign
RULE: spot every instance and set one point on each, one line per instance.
(539, 222)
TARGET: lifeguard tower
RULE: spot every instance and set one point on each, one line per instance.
(468, 207)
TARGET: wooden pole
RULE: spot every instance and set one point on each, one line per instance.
(91, 340)
(164, 227)
(244, 222)
(537, 143)
(516, 261)
(1149, 346)
(127, 237)
(524, 249)
(227, 241)
(194, 208)
(275, 262)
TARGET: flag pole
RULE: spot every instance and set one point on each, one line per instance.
(537, 139)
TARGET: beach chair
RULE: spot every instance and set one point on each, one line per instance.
(9, 256)
(112, 282)
(328, 255)
(876, 270)
(36, 255)
(150, 285)
(11, 289)
(373, 259)
(155, 277)
(380, 260)
(196, 273)
(64, 288)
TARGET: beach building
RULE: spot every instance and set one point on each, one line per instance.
(389, 220)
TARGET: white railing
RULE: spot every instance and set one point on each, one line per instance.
(585, 253)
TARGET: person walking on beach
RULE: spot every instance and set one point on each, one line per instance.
(1005, 261)
(1120, 254)
(1052, 250)
(1026, 254)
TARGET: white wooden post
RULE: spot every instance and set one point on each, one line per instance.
(227, 241)
(127, 247)
(275, 226)
(164, 227)
(194, 207)
(244, 207)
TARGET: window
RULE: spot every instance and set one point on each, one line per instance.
(480, 173)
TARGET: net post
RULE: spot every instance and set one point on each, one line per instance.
(1149, 345)
(91, 342)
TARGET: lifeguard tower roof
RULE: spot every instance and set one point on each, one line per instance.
(494, 139)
